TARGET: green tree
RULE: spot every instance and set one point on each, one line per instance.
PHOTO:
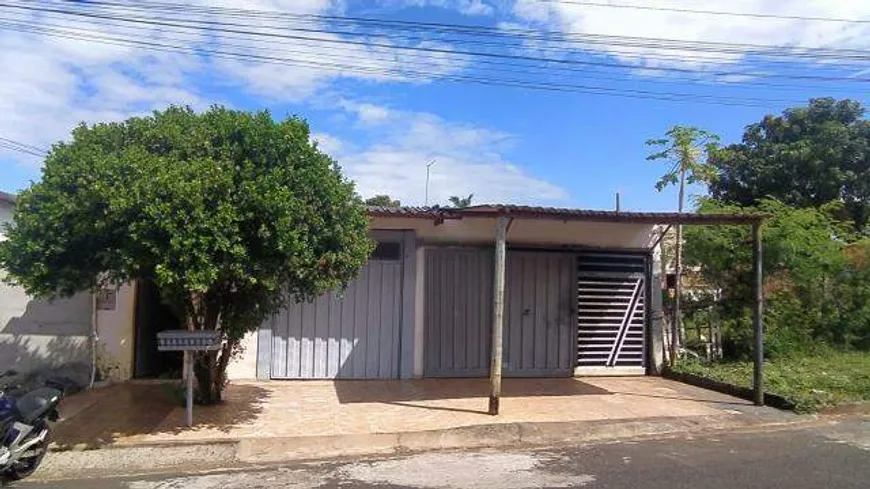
(807, 157)
(686, 149)
(461, 202)
(231, 214)
(804, 268)
(383, 201)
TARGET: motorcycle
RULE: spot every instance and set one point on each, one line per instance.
(24, 427)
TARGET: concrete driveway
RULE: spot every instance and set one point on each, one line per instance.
(145, 413)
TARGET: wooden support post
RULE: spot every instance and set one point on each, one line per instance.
(757, 311)
(497, 314)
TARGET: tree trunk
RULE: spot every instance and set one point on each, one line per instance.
(209, 367)
(678, 333)
(211, 373)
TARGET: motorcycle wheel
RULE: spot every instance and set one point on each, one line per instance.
(24, 467)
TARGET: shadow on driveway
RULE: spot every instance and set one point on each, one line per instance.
(397, 392)
(127, 410)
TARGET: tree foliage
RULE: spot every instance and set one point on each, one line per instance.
(383, 201)
(686, 148)
(461, 202)
(807, 157)
(231, 214)
(815, 286)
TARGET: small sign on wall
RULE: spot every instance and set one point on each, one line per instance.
(106, 299)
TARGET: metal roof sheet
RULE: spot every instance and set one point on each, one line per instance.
(557, 213)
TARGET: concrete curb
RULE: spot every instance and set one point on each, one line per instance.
(154, 457)
(770, 399)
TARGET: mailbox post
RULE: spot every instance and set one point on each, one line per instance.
(188, 342)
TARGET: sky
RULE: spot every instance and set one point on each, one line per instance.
(384, 113)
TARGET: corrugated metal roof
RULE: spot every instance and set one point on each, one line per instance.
(535, 212)
(386, 211)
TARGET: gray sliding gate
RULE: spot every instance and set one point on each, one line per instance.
(355, 334)
(458, 309)
(540, 312)
(611, 320)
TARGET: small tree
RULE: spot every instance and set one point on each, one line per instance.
(461, 202)
(687, 149)
(383, 201)
(231, 214)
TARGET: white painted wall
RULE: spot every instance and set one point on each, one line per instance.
(244, 366)
(37, 334)
(526, 232)
(115, 330)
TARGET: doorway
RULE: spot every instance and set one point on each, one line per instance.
(152, 317)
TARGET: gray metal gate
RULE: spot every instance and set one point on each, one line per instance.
(458, 312)
(354, 334)
(539, 314)
(611, 319)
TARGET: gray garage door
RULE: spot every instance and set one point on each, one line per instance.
(458, 318)
(350, 335)
(539, 313)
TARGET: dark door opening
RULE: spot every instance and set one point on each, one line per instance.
(152, 317)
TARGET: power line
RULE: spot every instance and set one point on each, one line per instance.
(707, 56)
(427, 49)
(528, 34)
(755, 15)
(14, 145)
(316, 65)
(481, 65)
(410, 68)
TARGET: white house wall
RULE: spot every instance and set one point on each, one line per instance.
(537, 232)
(38, 334)
(244, 365)
(115, 330)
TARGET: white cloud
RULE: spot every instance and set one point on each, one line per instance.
(469, 159)
(367, 114)
(52, 82)
(693, 27)
(328, 143)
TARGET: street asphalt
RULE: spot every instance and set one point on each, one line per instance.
(831, 456)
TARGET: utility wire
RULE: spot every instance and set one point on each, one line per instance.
(378, 53)
(380, 71)
(14, 145)
(754, 15)
(430, 27)
(429, 49)
(629, 49)
(368, 58)
(316, 65)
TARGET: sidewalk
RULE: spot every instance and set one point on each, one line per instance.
(277, 421)
(148, 413)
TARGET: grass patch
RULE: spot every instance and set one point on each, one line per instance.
(811, 382)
